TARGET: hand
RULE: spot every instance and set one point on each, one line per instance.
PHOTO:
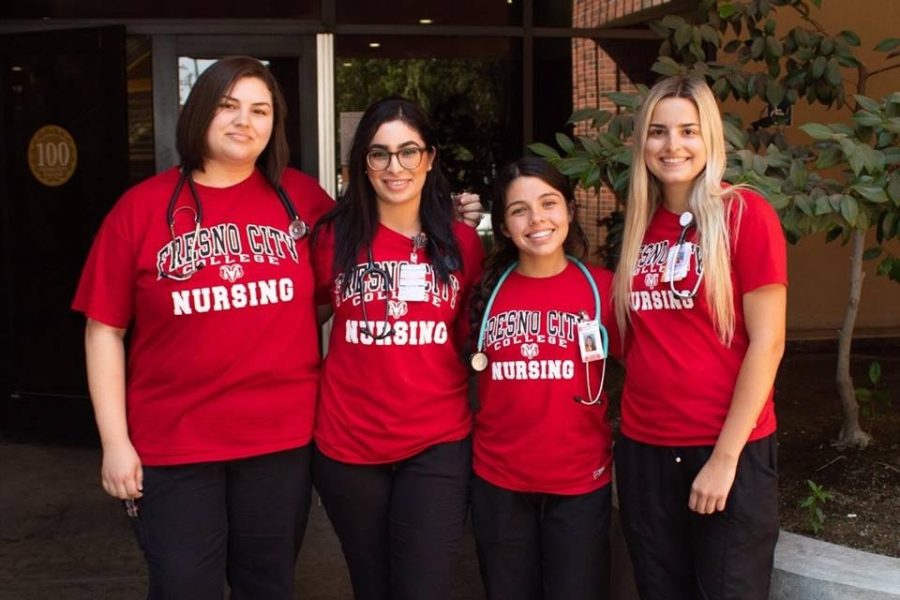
(121, 474)
(469, 208)
(709, 491)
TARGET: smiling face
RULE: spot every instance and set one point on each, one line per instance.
(396, 184)
(536, 218)
(242, 125)
(674, 149)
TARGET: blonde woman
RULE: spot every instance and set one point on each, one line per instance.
(700, 297)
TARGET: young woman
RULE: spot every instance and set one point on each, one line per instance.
(206, 434)
(393, 454)
(542, 443)
(700, 299)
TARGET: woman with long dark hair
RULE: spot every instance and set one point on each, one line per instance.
(392, 457)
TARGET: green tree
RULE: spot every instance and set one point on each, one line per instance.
(845, 182)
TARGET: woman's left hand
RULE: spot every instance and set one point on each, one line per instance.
(712, 484)
(468, 207)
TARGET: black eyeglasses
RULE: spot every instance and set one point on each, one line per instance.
(409, 158)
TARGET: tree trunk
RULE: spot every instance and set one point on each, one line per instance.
(851, 434)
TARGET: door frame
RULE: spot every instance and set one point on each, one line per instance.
(168, 47)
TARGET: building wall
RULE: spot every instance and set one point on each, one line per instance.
(819, 272)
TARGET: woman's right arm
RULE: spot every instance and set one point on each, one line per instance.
(121, 473)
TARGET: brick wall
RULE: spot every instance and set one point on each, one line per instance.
(614, 66)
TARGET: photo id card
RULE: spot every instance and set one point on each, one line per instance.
(589, 341)
(678, 263)
(412, 283)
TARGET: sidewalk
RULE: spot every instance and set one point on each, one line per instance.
(62, 537)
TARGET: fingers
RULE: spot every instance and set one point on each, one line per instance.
(706, 503)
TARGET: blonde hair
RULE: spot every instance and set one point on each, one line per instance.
(710, 203)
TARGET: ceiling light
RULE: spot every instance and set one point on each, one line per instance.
(374, 45)
(425, 21)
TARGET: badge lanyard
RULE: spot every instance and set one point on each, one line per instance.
(588, 332)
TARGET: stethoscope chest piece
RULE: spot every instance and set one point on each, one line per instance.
(478, 361)
(298, 229)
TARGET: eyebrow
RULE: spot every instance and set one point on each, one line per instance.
(403, 145)
(661, 126)
(233, 99)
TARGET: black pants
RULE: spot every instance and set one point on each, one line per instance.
(679, 554)
(240, 520)
(542, 546)
(400, 524)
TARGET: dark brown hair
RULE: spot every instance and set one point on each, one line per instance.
(504, 252)
(203, 103)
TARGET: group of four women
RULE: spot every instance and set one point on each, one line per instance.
(222, 417)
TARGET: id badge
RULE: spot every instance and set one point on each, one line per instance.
(678, 263)
(589, 341)
(411, 287)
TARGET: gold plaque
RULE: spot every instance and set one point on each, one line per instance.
(52, 155)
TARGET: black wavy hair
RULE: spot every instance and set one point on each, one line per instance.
(504, 252)
(355, 216)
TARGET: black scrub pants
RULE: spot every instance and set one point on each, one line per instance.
(678, 554)
(400, 524)
(542, 546)
(238, 520)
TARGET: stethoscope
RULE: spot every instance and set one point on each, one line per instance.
(387, 286)
(479, 360)
(297, 228)
(686, 220)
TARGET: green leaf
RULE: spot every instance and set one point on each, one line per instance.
(832, 234)
(543, 150)
(565, 143)
(710, 35)
(758, 47)
(774, 92)
(773, 47)
(625, 99)
(850, 37)
(673, 21)
(867, 119)
(823, 207)
(867, 103)
(887, 45)
(886, 230)
(659, 29)
(817, 131)
(581, 115)
(833, 72)
(666, 66)
(828, 158)
(818, 67)
(871, 193)
(871, 253)
(850, 210)
(683, 35)
(893, 188)
(863, 394)
(875, 372)
(727, 10)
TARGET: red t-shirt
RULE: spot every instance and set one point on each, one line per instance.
(680, 377)
(386, 400)
(530, 433)
(224, 365)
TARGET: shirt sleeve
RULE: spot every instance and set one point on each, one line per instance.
(473, 264)
(759, 248)
(107, 286)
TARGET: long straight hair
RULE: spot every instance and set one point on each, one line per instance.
(504, 252)
(710, 203)
(203, 103)
(355, 216)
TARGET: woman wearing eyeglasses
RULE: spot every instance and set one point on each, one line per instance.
(206, 433)
(393, 453)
